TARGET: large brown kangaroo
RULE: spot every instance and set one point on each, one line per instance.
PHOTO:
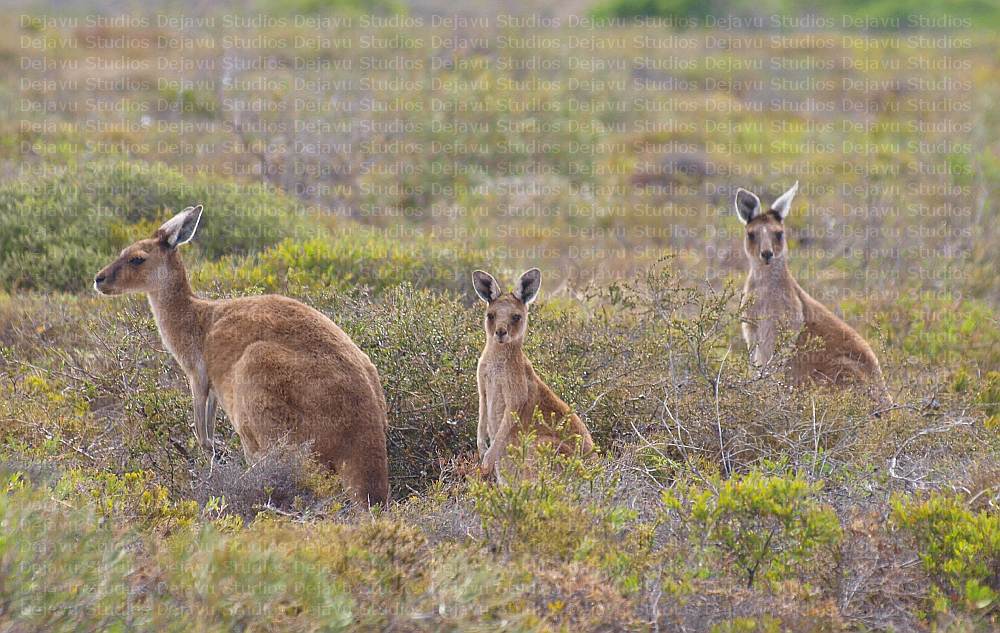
(778, 302)
(279, 367)
(508, 383)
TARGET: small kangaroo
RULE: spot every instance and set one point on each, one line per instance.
(779, 302)
(507, 382)
(278, 366)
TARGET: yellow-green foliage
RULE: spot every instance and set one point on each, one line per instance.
(989, 397)
(60, 565)
(959, 549)
(944, 328)
(69, 566)
(769, 527)
(981, 13)
(765, 624)
(561, 507)
(539, 508)
(342, 263)
(39, 410)
(225, 583)
(133, 497)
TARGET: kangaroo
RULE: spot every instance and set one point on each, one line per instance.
(278, 367)
(509, 385)
(779, 302)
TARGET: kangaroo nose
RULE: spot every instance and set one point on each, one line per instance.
(98, 279)
(766, 255)
(501, 332)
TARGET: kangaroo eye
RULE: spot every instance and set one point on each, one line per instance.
(516, 318)
(491, 316)
(137, 261)
(779, 235)
(752, 236)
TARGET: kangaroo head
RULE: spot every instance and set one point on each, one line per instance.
(506, 319)
(765, 232)
(143, 266)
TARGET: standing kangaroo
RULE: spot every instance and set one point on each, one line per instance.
(279, 367)
(780, 303)
(508, 384)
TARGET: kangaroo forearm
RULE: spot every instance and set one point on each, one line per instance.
(503, 438)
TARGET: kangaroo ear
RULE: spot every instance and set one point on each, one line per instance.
(486, 286)
(527, 286)
(180, 228)
(784, 203)
(747, 205)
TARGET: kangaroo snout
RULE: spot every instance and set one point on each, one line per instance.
(103, 282)
(501, 332)
(766, 256)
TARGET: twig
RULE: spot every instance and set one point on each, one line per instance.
(718, 415)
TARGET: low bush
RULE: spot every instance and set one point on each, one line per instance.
(959, 549)
(769, 527)
(285, 480)
(71, 567)
(57, 231)
(344, 263)
(61, 568)
(554, 506)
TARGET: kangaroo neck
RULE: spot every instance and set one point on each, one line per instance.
(770, 275)
(505, 352)
(176, 310)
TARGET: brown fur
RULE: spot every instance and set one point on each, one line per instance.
(278, 367)
(508, 383)
(844, 357)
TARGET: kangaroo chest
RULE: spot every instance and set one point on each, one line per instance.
(774, 304)
(770, 299)
(507, 389)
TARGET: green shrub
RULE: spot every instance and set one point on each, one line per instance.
(769, 527)
(61, 568)
(246, 582)
(959, 549)
(132, 498)
(983, 13)
(650, 8)
(559, 507)
(538, 508)
(66, 567)
(57, 231)
(343, 263)
(426, 348)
